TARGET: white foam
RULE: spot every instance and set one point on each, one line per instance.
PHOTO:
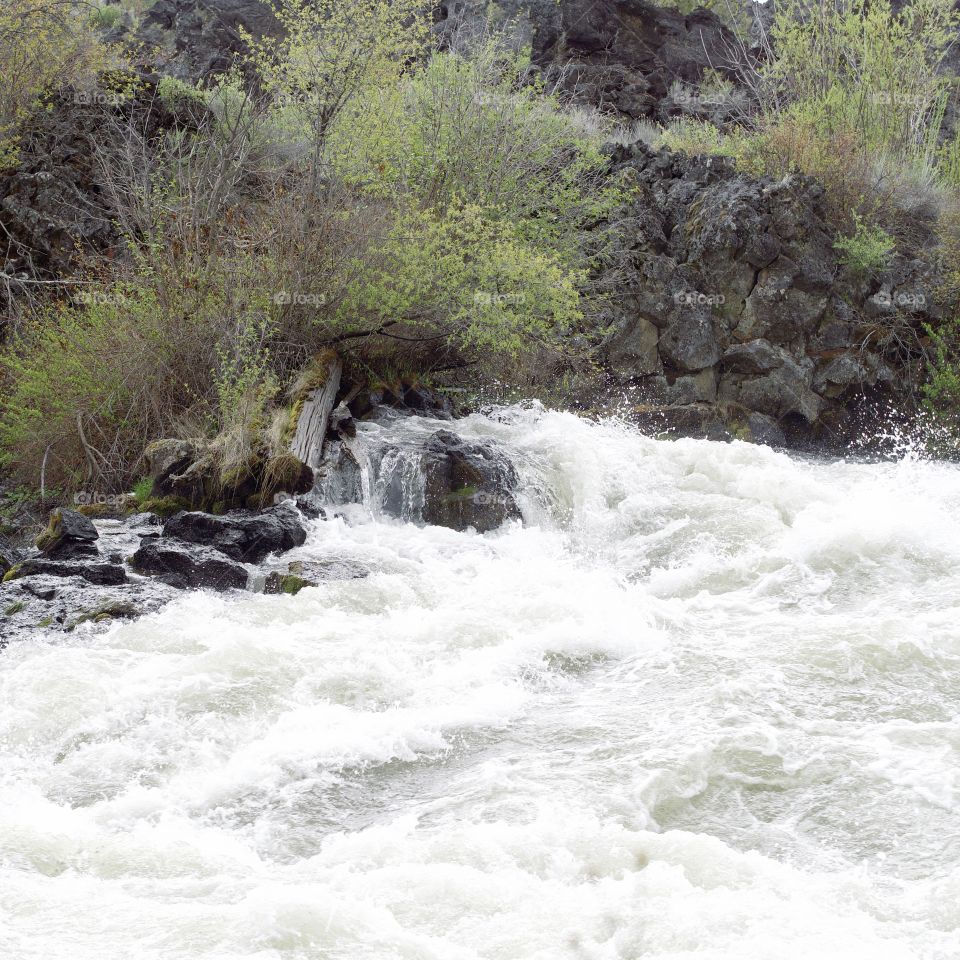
(701, 705)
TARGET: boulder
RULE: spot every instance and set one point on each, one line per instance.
(467, 483)
(68, 535)
(755, 356)
(247, 538)
(187, 566)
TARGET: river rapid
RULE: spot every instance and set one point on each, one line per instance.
(703, 703)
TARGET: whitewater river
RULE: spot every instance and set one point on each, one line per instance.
(704, 703)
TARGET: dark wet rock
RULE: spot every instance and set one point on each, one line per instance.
(68, 535)
(339, 476)
(247, 538)
(342, 423)
(467, 483)
(97, 573)
(683, 420)
(288, 583)
(383, 405)
(766, 430)
(311, 505)
(187, 566)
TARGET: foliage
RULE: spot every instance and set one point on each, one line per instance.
(942, 389)
(45, 45)
(331, 51)
(406, 210)
(851, 92)
(867, 250)
(494, 186)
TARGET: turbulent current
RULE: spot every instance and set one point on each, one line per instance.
(704, 702)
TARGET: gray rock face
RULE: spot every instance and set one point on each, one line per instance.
(734, 297)
(624, 54)
(199, 37)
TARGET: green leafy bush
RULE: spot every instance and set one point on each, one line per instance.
(866, 251)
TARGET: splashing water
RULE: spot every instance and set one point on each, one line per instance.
(702, 704)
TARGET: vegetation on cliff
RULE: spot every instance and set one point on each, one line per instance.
(349, 185)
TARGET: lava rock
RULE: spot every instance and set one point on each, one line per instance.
(247, 538)
(467, 483)
(765, 430)
(187, 567)
(68, 535)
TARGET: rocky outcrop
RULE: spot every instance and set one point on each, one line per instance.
(620, 54)
(735, 304)
(192, 39)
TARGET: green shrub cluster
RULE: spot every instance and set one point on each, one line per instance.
(404, 207)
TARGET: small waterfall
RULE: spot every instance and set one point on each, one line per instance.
(419, 470)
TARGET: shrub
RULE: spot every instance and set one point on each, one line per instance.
(331, 51)
(45, 45)
(866, 251)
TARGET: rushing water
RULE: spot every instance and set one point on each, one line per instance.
(702, 704)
